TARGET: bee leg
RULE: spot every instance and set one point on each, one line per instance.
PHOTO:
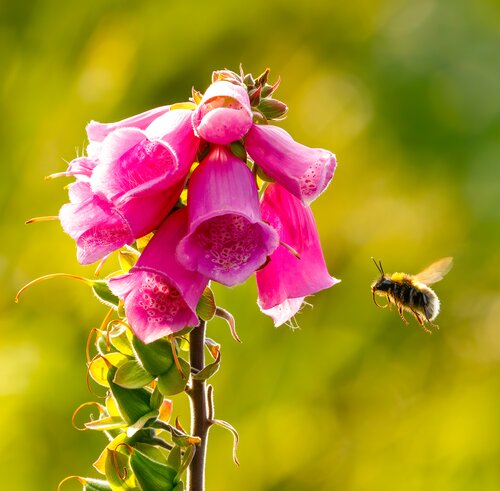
(401, 314)
(419, 319)
(376, 303)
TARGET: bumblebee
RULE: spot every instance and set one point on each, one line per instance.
(412, 293)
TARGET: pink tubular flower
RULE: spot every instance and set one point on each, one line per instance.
(132, 176)
(286, 280)
(160, 295)
(227, 239)
(305, 172)
(224, 114)
(96, 226)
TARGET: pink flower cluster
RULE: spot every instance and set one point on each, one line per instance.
(130, 183)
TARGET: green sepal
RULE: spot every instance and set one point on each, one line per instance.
(238, 150)
(179, 487)
(209, 370)
(155, 357)
(133, 404)
(131, 375)
(263, 176)
(152, 475)
(173, 382)
(103, 293)
(206, 306)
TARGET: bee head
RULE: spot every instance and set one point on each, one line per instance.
(383, 282)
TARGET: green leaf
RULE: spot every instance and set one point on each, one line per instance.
(131, 375)
(156, 357)
(206, 305)
(173, 382)
(103, 293)
(152, 475)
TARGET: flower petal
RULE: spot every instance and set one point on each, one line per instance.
(227, 238)
(129, 161)
(160, 294)
(305, 172)
(287, 279)
(96, 132)
(96, 226)
(224, 114)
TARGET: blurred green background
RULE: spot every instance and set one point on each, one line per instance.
(406, 93)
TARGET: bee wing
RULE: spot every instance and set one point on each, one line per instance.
(436, 271)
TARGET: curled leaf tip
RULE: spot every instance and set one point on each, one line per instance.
(100, 407)
(236, 437)
(49, 276)
(81, 480)
(228, 317)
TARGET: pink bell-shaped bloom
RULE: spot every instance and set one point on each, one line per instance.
(96, 226)
(132, 164)
(224, 114)
(160, 295)
(287, 279)
(227, 239)
(305, 172)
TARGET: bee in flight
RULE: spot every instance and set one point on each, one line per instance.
(412, 293)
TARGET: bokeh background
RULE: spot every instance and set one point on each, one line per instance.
(406, 93)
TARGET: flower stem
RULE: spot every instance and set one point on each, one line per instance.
(199, 410)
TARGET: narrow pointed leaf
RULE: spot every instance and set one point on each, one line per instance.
(103, 294)
(209, 370)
